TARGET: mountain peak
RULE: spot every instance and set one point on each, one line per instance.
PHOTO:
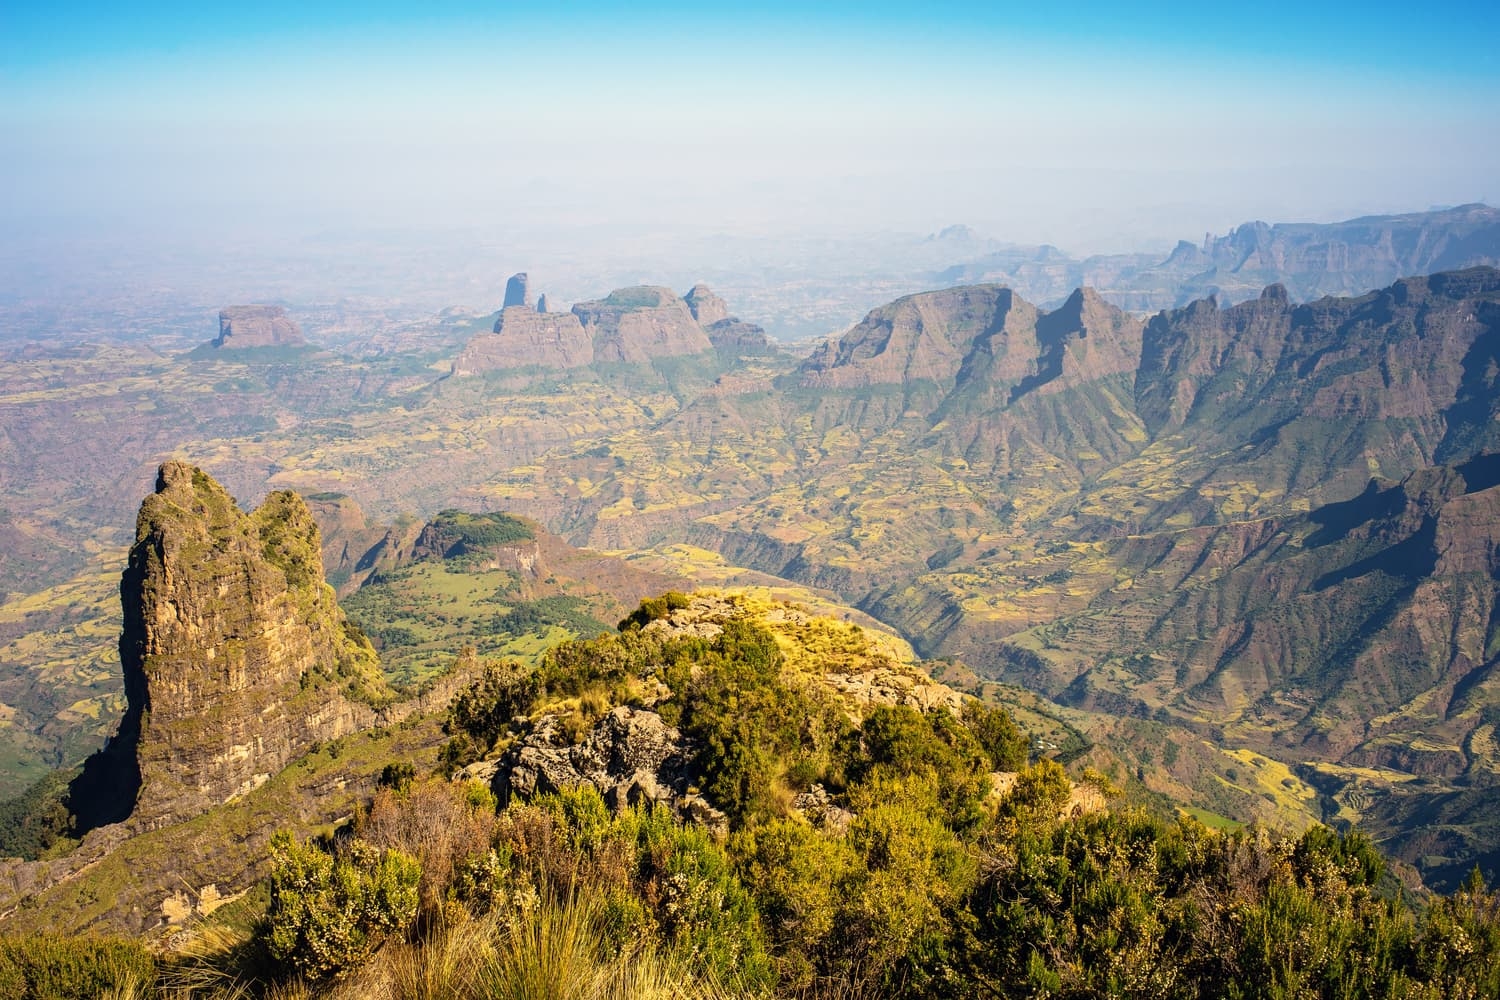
(235, 656)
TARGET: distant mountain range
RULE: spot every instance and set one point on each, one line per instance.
(1310, 259)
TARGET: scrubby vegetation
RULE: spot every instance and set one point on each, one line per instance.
(872, 851)
(48, 967)
(466, 532)
(561, 898)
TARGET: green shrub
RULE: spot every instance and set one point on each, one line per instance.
(397, 775)
(1458, 949)
(756, 733)
(1007, 747)
(653, 609)
(702, 909)
(327, 913)
(897, 741)
(48, 967)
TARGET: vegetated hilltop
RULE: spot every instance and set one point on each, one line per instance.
(499, 585)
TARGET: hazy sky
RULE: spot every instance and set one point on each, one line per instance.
(1101, 128)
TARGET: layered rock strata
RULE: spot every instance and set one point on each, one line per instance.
(236, 657)
(257, 326)
(631, 326)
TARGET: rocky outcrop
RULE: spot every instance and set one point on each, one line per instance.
(706, 307)
(541, 303)
(257, 326)
(984, 337)
(636, 325)
(517, 291)
(235, 655)
(632, 756)
(630, 326)
(525, 338)
(920, 338)
(735, 336)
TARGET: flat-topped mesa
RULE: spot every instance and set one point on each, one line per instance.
(635, 325)
(525, 338)
(629, 326)
(258, 326)
(235, 655)
(517, 291)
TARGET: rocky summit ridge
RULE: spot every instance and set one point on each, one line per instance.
(630, 326)
(235, 655)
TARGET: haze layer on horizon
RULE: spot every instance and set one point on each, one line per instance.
(1100, 130)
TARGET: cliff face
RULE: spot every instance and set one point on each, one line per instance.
(1319, 397)
(523, 338)
(257, 326)
(707, 308)
(629, 326)
(1310, 259)
(236, 658)
(958, 336)
(635, 325)
(924, 337)
(735, 335)
(1354, 255)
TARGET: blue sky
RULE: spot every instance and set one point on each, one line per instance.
(1099, 128)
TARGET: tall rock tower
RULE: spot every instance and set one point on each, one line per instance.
(235, 655)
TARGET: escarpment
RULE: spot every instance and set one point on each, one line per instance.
(236, 658)
(630, 326)
(257, 326)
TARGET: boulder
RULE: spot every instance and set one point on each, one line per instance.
(631, 755)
